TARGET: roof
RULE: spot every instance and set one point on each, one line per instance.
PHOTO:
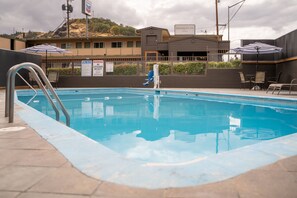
(201, 37)
(83, 38)
(153, 28)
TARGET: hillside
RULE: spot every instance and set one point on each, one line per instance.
(96, 27)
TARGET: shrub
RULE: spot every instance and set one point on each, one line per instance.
(164, 68)
(125, 69)
(66, 71)
(236, 63)
(179, 68)
(224, 65)
(196, 68)
(189, 68)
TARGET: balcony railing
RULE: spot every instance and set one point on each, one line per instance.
(100, 52)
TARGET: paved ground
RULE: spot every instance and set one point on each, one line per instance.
(31, 168)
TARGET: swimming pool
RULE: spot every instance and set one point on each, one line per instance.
(169, 129)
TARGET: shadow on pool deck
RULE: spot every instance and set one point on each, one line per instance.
(30, 167)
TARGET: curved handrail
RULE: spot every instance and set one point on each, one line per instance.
(28, 85)
(10, 87)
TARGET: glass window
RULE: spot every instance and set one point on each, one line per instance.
(116, 44)
(63, 45)
(99, 45)
(68, 45)
(87, 45)
(78, 45)
(138, 43)
(129, 43)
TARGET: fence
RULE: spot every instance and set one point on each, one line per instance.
(194, 65)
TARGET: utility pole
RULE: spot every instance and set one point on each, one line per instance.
(217, 17)
(68, 19)
(69, 9)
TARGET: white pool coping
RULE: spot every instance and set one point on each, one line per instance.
(97, 161)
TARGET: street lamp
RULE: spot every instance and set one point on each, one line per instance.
(229, 19)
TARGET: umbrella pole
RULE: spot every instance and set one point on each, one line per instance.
(257, 61)
(46, 61)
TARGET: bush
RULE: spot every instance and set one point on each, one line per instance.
(224, 65)
(164, 68)
(125, 70)
(236, 63)
(66, 71)
(189, 68)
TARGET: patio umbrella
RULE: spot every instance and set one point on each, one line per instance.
(258, 48)
(45, 48)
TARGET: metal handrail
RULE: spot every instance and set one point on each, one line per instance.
(35, 92)
(10, 87)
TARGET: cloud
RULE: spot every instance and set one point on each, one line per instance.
(260, 16)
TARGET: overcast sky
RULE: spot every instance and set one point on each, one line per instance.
(257, 19)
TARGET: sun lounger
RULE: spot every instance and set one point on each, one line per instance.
(279, 86)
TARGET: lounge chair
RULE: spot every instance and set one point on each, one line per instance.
(53, 77)
(243, 81)
(259, 80)
(280, 86)
(274, 80)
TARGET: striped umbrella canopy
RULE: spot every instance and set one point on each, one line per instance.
(44, 48)
(258, 48)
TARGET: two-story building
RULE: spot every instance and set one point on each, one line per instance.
(151, 44)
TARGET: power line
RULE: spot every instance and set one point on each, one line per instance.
(236, 11)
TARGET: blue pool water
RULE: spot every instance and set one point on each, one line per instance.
(169, 128)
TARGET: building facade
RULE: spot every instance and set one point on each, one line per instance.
(151, 44)
(158, 44)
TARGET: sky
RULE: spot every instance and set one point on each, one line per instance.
(256, 19)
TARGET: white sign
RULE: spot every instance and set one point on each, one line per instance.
(98, 66)
(109, 66)
(184, 29)
(86, 68)
(87, 7)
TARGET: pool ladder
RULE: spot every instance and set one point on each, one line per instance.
(34, 69)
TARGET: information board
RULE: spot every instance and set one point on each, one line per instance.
(86, 68)
(98, 66)
(109, 66)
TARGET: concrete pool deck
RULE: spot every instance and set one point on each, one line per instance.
(31, 167)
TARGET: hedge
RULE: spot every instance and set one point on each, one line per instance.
(125, 69)
(164, 68)
(66, 71)
(189, 68)
(224, 65)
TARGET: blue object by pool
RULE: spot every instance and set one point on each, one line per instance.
(150, 78)
(165, 138)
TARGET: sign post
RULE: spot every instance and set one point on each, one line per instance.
(87, 10)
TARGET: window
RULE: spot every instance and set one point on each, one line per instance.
(78, 45)
(68, 45)
(116, 44)
(138, 43)
(99, 45)
(129, 43)
(63, 45)
(87, 45)
(151, 56)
